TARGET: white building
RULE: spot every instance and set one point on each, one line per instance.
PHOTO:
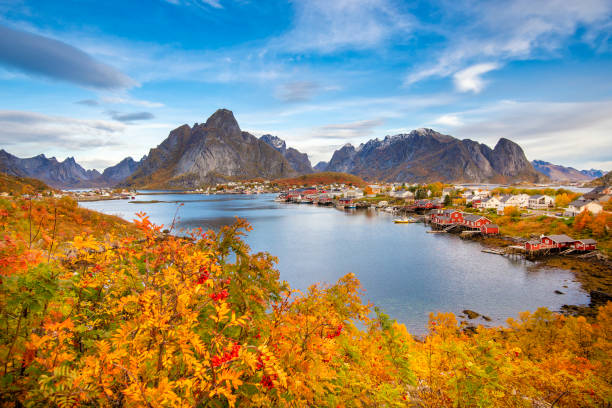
(488, 203)
(518, 201)
(578, 206)
(539, 202)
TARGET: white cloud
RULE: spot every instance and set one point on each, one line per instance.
(470, 79)
(514, 30)
(326, 26)
(125, 100)
(200, 3)
(449, 120)
(573, 134)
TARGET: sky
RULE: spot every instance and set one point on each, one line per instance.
(102, 80)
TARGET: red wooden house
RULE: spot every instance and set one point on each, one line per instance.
(475, 220)
(557, 241)
(585, 245)
(489, 229)
(533, 245)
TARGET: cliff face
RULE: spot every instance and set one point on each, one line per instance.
(426, 155)
(208, 153)
(561, 173)
(298, 161)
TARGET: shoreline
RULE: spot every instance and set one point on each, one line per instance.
(592, 274)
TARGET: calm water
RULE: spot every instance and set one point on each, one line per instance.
(404, 270)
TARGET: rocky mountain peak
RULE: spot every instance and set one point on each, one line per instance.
(298, 161)
(224, 120)
(275, 141)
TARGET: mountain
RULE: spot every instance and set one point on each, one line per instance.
(561, 173)
(120, 171)
(299, 161)
(65, 174)
(320, 166)
(605, 180)
(215, 151)
(593, 173)
(426, 155)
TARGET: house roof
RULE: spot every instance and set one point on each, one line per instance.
(473, 217)
(588, 241)
(491, 225)
(561, 239)
(580, 203)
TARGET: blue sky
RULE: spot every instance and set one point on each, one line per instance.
(103, 80)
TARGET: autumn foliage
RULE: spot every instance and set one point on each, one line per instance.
(155, 320)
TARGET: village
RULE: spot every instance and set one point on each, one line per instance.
(467, 210)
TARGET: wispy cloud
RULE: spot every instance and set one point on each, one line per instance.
(88, 102)
(519, 29)
(130, 117)
(126, 100)
(200, 3)
(297, 91)
(43, 56)
(325, 26)
(470, 79)
(347, 131)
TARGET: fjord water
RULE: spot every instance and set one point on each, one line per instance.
(403, 270)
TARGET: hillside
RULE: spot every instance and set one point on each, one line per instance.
(21, 185)
(324, 178)
(561, 173)
(425, 155)
(215, 151)
(605, 180)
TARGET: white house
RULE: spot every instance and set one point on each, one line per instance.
(491, 202)
(353, 193)
(402, 194)
(541, 201)
(576, 207)
(518, 201)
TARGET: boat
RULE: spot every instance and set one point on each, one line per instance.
(405, 220)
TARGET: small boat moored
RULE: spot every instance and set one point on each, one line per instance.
(405, 220)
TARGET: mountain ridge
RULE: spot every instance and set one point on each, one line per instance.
(558, 172)
(424, 155)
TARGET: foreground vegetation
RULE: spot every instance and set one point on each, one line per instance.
(118, 318)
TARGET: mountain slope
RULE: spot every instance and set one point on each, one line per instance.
(426, 155)
(299, 161)
(320, 166)
(207, 153)
(561, 173)
(605, 180)
(65, 174)
(120, 171)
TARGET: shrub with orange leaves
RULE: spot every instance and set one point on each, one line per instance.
(198, 321)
